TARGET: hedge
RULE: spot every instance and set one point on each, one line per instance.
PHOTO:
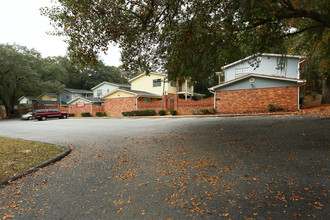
(100, 114)
(86, 114)
(140, 113)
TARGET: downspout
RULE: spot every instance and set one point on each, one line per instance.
(136, 102)
(186, 90)
(299, 67)
(215, 98)
(92, 109)
(298, 98)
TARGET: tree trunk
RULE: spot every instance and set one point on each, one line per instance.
(326, 91)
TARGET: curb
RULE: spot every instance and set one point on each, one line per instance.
(34, 169)
(192, 116)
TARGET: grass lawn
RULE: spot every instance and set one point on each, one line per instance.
(17, 156)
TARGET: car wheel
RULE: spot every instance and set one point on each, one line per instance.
(29, 118)
(43, 118)
(64, 116)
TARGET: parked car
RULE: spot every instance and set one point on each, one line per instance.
(27, 116)
(43, 114)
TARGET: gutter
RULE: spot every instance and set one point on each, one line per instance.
(136, 102)
(215, 98)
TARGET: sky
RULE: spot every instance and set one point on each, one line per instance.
(21, 23)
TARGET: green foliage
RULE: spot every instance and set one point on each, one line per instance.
(25, 72)
(271, 107)
(172, 112)
(71, 114)
(161, 112)
(90, 76)
(275, 108)
(100, 114)
(86, 114)
(192, 38)
(140, 113)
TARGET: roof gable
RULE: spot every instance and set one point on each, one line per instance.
(134, 92)
(80, 91)
(144, 74)
(110, 83)
(254, 56)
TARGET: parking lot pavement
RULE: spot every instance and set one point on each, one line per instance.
(180, 168)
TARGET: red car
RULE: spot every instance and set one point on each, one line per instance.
(43, 114)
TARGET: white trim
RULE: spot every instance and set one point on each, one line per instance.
(109, 83)
(258, 75)
(75, 99)
(131, 92)
(115, 90)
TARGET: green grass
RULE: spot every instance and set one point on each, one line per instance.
(17, 156)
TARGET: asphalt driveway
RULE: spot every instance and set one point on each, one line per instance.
(180, 168)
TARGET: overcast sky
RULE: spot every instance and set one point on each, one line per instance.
(21, 23)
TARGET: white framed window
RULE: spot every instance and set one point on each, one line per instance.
(239, 72)
(157, 82)
(99, 92)
(147, 99)
(173, 83)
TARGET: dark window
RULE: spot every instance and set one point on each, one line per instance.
(50, 111)
(157, 82)
(171, 100)
(146, 99)
(173, 83)
(56, 110)
(41, 111)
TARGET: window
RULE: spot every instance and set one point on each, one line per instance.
(173, 83)
(50, 111)
(99, 92)
(146, 99)
(171, 100)
(56, 110)
(157, 82)
(241, 72)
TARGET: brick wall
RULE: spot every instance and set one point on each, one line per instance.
(2, 113)
(77, 111)
(155, 104)
(257, 100)
(184, 107)
(187, 107)
(118, 105)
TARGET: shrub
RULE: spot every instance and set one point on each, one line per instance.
(271, 107)
(204, 111)
(86, 114)
(100, 114)
(275, 108)
(212, 111)
(172, 112)
(161, 112)
(147, 112)
(207, 111)
(71, 114)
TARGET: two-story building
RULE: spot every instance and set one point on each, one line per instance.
(252, 83)
(147, 90)
(69, 94)
(105, 87)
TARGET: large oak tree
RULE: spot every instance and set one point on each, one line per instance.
(24, 72)
(192, 38)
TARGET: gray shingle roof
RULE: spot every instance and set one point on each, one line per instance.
(79, 91)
